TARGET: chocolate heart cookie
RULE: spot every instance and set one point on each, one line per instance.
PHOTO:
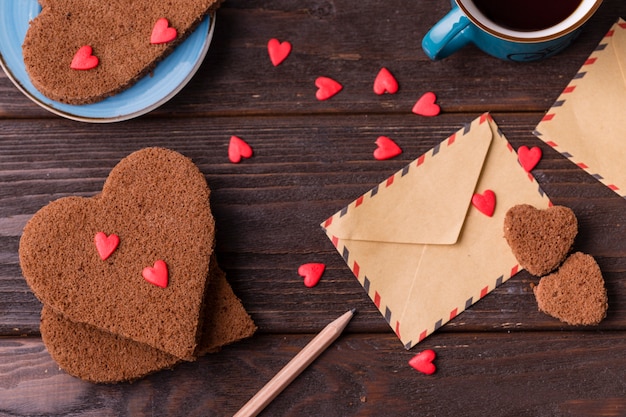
(156, 202)
(540, 239)
(100, 356)
(82, 51)
(575, 294)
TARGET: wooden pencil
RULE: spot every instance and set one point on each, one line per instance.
(295, 366)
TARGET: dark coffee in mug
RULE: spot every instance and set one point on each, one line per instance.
(527, 15)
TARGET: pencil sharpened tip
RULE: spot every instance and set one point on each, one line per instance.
(353, 310)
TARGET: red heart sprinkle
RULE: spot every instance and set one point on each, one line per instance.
(387, 148)
(423, 362)
(106, 245)
(84, 60)
(157, 274)
(162, 32)
(312, 272)
(327, 87)
(237, 149)
(485, 202)
(426, 105)
(278, 51)
(385, 82)
(529, 158)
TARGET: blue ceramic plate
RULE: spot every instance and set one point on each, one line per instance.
(167, 79)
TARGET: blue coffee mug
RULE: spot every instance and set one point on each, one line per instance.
(466, 24)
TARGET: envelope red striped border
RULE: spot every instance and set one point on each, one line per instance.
(353, 264)
(567, 93)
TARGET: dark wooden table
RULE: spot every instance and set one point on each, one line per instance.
(499, 358)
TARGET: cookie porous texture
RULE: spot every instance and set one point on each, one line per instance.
(157, 202)
(575, 294)
(225, 319)
(102, 357)
(540, 239)
(118, 31)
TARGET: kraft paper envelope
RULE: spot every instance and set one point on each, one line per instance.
(421, 250)
(586, 124)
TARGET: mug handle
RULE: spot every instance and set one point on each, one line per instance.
(448, 35)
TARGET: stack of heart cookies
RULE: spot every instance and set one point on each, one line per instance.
(541, 241)
(128, 278)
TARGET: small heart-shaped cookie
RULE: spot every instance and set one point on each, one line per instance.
(162, 32)
(387, 148)
(529, 157)
(106, 245)
(278, 51)
(157, 274)
(423, 362)
(575, 294)
(426, 106)
(119, 31)
(157, 202)
(84, 59)
(485, 202)
(385, 82)
(540, 239)
(326, 88)
(311, 272)
(237, 149)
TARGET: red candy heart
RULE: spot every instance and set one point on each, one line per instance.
(485, 202)
(529, 158)
(106, 245)
(156, 274)
(278, 51)
(162, 32)
(426, 105)
(84, 59)
(385, 82)
(237, 149)
(312, 272)
(387, 148)
(327, 87)
(423, 362)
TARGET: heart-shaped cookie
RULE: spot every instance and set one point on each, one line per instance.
(485, 202)
(84, 59)
(106, 245)
(162, 32)
(423, 362)
(385, 82)
(157, 202)
(100, 356)
(575, 294)
(386, 149)
(311, 272)
(157, 274)
(326, 88)
(540, 239)
(238, 149)
(278, 51)
(529, 157)
(426, 105)
(118, 34)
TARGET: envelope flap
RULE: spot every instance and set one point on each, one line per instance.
(427, 201)
(585, 123)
